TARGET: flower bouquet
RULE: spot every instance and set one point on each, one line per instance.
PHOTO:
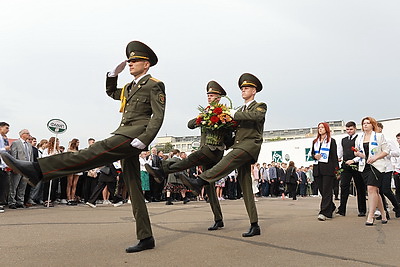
(215, 120)
(339, 171)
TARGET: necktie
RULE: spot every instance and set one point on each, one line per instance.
(131, 87)
(26, 151)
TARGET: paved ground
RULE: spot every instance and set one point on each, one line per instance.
(291, 236)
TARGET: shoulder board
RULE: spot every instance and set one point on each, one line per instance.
(154, 79)
(260, 106)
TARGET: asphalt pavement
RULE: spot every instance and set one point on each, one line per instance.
(291, 235)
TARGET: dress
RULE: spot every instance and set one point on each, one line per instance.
(370, 174)
(220, 183)
(174, 183)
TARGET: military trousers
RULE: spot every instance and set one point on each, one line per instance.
(240, 160)
(103, 152)
(206, 158)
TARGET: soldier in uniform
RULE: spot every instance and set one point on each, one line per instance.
(207, 156)
(142, 107)
(245, 150)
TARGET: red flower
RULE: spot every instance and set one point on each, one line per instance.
(354, 149)
(198, 120)
(214, 119)
(218, 111)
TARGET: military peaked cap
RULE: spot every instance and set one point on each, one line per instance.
(247, 79)
(138, 50)
(214, 88)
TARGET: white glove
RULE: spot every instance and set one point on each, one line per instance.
(117, 70)
(232, 112)
(138, 144)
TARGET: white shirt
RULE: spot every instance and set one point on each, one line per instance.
(340, 147)
(142, 162)
(392, 159)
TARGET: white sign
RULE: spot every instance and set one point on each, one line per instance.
(195, 145)
(56, 126)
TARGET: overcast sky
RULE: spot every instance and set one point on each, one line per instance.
(318, 60)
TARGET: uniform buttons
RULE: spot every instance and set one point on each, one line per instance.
(123, 118)
(127, 104)
(237, 141)
(122, 124)
(126, 111)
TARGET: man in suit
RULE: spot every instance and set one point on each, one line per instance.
(245, 150)
(273, 176)
(21, 149)
(155, 188)
(32, 192)
(4, 176)
(207, 156)
(142, 107)
(346, 153)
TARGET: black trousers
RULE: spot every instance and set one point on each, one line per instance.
(396, 178)
(292, 188)
(345, 179)
(325, 187)
(99, 188)
(53, 190)
(155, 189)
(336, 188)
(274, 187)
(89, 186)
(4, 186)
(386, 190)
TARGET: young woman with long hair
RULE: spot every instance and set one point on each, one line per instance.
(324, 153)
(370, 150)
(72, 178)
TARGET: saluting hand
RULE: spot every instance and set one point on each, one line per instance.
(117, 70)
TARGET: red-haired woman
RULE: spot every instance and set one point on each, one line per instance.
(324, 153)
(370, 151)
(72, 178)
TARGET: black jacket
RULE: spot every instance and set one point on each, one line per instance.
(110, 176)
(329, 168)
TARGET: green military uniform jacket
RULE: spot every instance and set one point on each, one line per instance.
(249, 133)
(143, 113)
(228, 140)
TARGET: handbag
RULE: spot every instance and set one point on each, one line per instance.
(106, 170)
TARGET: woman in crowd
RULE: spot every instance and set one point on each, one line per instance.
(324, 153)
(72, 178)
(52, 148)
(255, 175)
(144, 175)
(292, 180)
(219, 186)
(370, 151)
(174, 183)
(107, 178)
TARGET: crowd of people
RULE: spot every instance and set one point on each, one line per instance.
(105, 185)
(269, 180)
(119, 168)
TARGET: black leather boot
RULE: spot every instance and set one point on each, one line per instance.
(216, 225)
